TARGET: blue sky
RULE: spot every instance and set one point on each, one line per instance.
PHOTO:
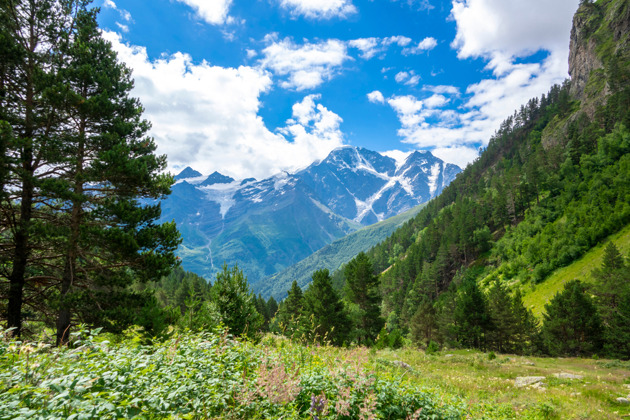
(253, 87)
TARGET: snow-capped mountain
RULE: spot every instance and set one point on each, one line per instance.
(368, 187)
(267, 225)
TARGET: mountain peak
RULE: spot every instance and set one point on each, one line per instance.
(187, 172)
(217, 178)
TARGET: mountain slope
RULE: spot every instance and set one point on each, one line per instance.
(553, 183)
(332, 256)
(265, 226)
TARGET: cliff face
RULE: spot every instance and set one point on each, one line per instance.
(600, 33)
(600, 41)
(583, 58)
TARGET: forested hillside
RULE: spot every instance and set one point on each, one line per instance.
(553, 182)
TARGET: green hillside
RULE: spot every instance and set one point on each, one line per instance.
(532, 212)
(332, 256)
(538, 295)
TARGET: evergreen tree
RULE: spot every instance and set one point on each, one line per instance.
(289, 311)
(423, 324)
(526, 335)
(235, 302)
(30, 37)
(504, 322)
(472, 320)
(362, 290)
(571, 324)
(612, 292)
(323, 313)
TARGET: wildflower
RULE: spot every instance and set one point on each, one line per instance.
(319, 405)
(342, 406)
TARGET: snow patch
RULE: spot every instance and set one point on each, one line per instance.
(432, 179)
(223, 194)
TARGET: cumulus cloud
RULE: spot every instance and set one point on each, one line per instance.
(409, 78)
(401, 41)
(214, 12)
(427, 44)
(432, 121)
(372, 46)
(376, 97)
(319, 9)
(207, 117)
(500, 32)
(305, 66)
(369, 47)
(442, 89)
(459, 155)
(511, 27)
(313, 127)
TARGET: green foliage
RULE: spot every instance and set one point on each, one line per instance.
(324, 318)
(208, 375)
(362, 289)
(289, 316)
(571, 324)
(472, 320)
(235, 302)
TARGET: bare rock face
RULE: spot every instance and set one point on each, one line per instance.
(582, 56)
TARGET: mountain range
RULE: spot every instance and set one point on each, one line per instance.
(267, 225)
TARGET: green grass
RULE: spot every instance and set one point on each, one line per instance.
(213, 376)
(536, 297)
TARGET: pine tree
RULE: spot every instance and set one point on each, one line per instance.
(110, 173)
(504, 323)
(526, 334)
(423, 324)
(324, 315)
(362, 290)
(571, 324)
(289, 311)
(235, 302)
(30, 37)
(613, 301)
(472, 320)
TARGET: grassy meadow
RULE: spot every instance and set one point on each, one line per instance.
(213, 376)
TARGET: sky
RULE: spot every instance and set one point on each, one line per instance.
(250, 88)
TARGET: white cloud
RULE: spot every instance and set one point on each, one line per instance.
(500, 32)
(408, 78)
(459, 155)
(408, 109)
(369, 46)
(436, 101)
(314, 128)
(401, 41)
(512, 27)
(207, 117)
(122, 27)
(125, 15)
(372, 46)
(398, 155)
(427, 44)
(442, 89)
(214, 12)
(307, 66)
(319, 9)
(376, 97)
